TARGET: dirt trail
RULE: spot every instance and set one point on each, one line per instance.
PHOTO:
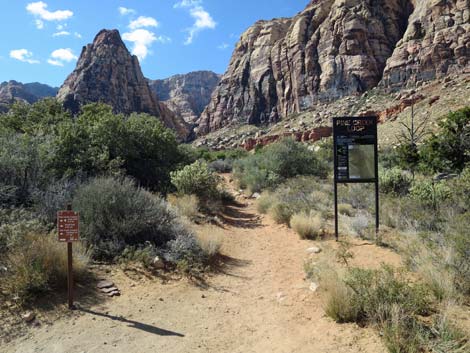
(260, 302)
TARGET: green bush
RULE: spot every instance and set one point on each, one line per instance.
(429, 193)
(114, 213)
(276, 163)
(346, 209)
(99, 141)
(196, 179)
(373, 293)
(22, 168)
(449, 149)
(394, 181)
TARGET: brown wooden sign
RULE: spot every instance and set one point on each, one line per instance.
(67, 226)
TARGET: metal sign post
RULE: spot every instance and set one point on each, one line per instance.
(68, 229)
(355, 157)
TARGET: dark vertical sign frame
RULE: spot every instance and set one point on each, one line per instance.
(350, 133)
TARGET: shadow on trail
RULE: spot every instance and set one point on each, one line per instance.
(223, 264)
(135, 324)
(235, 216)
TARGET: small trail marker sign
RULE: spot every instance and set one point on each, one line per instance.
(68, 226)
(355, 156)
(68, 229)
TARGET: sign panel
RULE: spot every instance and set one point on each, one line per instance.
(67, 226)
(355, 143)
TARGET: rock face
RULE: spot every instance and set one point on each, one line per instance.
(435, 44)
(336, 48)
(107, 72)
(28, 92)
(187, 95)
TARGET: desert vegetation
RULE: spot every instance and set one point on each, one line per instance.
(424, 217)
(118, 172)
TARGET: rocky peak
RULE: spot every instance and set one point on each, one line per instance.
(107, 72)
(187, 95)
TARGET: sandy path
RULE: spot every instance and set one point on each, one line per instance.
(260, 302)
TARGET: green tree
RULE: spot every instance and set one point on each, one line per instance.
(449, 149)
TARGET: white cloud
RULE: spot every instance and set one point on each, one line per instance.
(77, 35)
(61, 34)
(223, 46)
(142, 40)
(125, 11)
(39, 9)
(202, 18)
(61, 27)
(142, 22)
(61, 56)
(163, 39)
(55, 62)
(187, 3)
(23, 55)
(39, 24)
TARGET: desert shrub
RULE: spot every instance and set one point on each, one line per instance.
(196, 179)
(265, 202)
(394, 181)
(447, 337)
(403, 333)
(211, 156)
(14, 224)
(360, 196)
(101, 142)
(38, 263)
(360, 224)
(307, 226)
(114, 213)
(187, 205)
(221, 165)
(346, 209)
(449, 148)
(143, 253)
(375, 292)
(281, 213)
(22, 168)
(429, 193)
(277, 162)
(460, 196)
(56, 196)
(187, 254)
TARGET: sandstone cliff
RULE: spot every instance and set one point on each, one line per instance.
(435, 44)
(187, 95)
(107, 72)
(336, 48)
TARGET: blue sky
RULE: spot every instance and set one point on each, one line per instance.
(41, 40)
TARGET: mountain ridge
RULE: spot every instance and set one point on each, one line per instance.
(334, 49)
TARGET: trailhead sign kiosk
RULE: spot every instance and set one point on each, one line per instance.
(355, 156)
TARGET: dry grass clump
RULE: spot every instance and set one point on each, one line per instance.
(210, 239)
(346, 209)
(187, 205)
(265, 202)
(307, 226)
(40, 265)
(281, 213)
